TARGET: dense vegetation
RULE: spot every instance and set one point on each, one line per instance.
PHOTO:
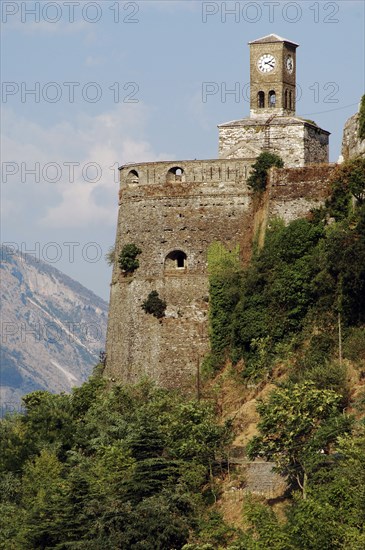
(141, 468)
(305, 285)
(120, 468)
(300, 304)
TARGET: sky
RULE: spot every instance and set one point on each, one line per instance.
(89, 86)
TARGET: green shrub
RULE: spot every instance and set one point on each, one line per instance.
(259, 362)
(154, 305)
(354, 344)
(128, 258)
(211, 364)
(213, 533)
(319, 350)
(258, 178)
(339, 203)
(351, 175)
(347, 180)
(332, 376)
(110, 256)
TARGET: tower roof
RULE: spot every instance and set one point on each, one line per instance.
(270, 38)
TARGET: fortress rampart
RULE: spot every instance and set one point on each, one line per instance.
(173, 211)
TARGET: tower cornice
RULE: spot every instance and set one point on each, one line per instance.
(271, 39)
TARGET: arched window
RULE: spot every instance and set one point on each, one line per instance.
(290, 101)
(261, 100)
(133, 177)
(272, 98)
(176, 259)
(286, 99)
(175, 174)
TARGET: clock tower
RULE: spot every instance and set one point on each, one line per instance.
(273, 76)
(273, 124)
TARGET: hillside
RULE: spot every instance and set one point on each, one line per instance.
(115, 466)
(52, 329)
(269, 455)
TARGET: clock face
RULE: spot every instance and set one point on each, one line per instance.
(266, 63)
(289, 64)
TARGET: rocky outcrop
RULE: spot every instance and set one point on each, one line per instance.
(352, 145)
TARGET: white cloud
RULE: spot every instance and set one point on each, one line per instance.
(98, 144)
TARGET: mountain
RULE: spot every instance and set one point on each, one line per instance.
(52, 329)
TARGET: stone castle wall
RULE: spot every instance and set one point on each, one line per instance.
(295, 192)
(161, 211)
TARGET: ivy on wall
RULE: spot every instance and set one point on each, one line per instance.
(258, 177)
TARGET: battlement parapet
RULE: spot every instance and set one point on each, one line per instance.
(185, 171)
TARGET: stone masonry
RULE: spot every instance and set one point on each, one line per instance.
(174, 210)
(163, 212)
(167, 214)
(297, 141)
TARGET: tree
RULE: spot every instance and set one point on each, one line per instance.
(258, 177)
(128, 262)
(297, 424)
(154, 305)
(48, 421)
(343, 264)
(350, 177)
(333, 515)
(44, 502)
(152, 524)
(120, 467)
(275, 293)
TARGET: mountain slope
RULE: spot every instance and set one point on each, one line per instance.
(52, 328)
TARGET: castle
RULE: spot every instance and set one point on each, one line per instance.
(173, 211)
